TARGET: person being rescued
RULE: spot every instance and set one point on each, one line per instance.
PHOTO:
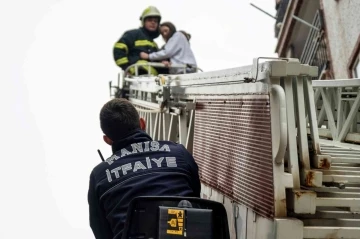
(177, 50)
(127, 49)
(187, 35)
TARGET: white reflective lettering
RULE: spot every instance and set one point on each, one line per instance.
(171, 162)
(146, 146)
(148, 162)
(126, 167)
(139, 165)
(165, 147)
(158, 161)
(137, 148)
(154, 146)
(108, 175)
(124, 152)
(116, 171)
(112, 159)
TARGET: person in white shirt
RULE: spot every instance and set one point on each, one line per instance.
(188, 36)
(177, 50)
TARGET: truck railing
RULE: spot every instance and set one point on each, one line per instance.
(148, 65)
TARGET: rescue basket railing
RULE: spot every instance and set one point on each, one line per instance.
(149, 65)
(124, 77)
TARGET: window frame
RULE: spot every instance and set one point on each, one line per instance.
(354, 61)
(356, 68)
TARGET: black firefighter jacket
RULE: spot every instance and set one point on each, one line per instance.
(127, 49)
(138, 167)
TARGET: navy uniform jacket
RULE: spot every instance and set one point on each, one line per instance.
(138, 167)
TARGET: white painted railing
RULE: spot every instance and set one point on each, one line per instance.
(338, 112)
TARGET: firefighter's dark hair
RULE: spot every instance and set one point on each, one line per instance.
(118, 117)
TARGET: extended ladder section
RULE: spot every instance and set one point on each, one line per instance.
(336, 203)
(254, 133)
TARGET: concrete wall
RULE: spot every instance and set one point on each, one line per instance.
(342, 20)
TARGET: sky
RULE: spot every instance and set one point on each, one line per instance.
(56, 63)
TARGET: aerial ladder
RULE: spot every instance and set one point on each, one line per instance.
(254, 133)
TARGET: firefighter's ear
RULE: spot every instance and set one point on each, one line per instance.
(142, 124)
(107, 140)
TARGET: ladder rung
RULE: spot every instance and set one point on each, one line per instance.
(345, 160)
(341, 178)
(339, 172)
(332, 232)
(337, 202)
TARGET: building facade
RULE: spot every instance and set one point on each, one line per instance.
(325, 33)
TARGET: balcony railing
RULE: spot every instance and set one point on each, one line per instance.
(314, 52)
